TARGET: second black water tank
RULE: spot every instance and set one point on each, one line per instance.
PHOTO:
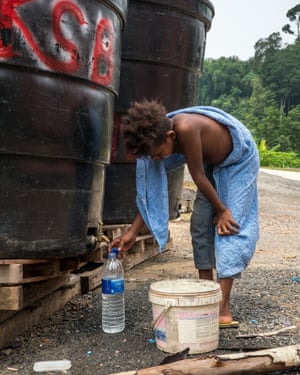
(163, 49)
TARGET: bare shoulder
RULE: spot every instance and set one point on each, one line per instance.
(188, 121)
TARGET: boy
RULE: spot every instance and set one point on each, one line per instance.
(223, 161)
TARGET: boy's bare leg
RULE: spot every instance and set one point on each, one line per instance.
(206, 274)
(225, 313)
(225, 285)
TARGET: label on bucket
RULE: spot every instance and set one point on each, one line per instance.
(196, 326)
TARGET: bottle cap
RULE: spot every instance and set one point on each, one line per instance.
(115, 250)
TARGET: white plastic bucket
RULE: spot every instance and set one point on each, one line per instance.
(185, 315)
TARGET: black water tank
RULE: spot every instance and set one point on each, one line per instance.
(59, 75)
(163, 50)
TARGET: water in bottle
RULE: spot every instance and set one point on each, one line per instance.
(113, 301)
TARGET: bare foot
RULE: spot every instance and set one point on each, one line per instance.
(225, 313)
(225, 318)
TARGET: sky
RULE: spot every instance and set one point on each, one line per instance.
(239, 24)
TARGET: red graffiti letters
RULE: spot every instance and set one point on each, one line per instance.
(58, 11)
(87, 55)
(103, 53)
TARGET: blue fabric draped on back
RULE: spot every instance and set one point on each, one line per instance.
(152, 197)
(152, 194)
(236, 186)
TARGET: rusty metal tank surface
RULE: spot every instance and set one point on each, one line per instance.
(59, 75)
(163, 50)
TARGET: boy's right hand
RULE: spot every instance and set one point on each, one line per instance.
(124, 242)
(225, 224)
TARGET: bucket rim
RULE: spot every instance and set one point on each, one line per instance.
(173, 287)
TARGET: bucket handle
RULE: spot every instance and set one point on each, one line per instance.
(162, 314)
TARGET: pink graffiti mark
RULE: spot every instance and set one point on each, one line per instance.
(103, 62)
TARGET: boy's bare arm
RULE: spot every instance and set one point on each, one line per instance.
(191, 141)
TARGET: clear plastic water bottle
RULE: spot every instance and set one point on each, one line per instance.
(113, 299)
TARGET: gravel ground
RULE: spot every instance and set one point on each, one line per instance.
(266, 298)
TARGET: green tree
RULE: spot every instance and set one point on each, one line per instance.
(291, 129)
(265, 47)
(293, 15)
(280, 73)
(252, 110)
(223, 76)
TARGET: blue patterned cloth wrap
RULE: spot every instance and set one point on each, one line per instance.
(236, 185)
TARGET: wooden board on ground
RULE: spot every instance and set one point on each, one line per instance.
(257, 362)
(24, 281)
(25, 319)
(22, 271)
(13, 298)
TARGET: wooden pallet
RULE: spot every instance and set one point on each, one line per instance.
(22, 281)
(144, 248)
(23, 271)
(34, 289)
(12, 325)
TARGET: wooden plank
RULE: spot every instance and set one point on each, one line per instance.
(75, 263)
(121, 228)
(90, 280)
(21, 271)
(257, 362)
(20, 296)
(23, 261)
(41, 270)
(65, 264)
(96, 256)
(71, 264)
(145, 248)
(11, 297)
(25, 319)
(11, 274)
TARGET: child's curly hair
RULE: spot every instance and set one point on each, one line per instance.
(146, 125)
